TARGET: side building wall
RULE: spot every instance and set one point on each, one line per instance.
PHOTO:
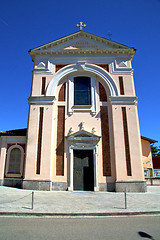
(12, 160)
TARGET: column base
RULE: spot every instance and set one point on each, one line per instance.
(59, 186)
(1, 182)
(107, 187)
(70, 189)
(131, 186)
(96, 189)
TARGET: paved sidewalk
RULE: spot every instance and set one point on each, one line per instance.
(19, 201)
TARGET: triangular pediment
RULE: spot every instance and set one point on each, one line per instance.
(81, 135)
(83, 43)
(79, 42)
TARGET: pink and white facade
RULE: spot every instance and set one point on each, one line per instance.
(83, 129)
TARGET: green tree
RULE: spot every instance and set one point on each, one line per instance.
(155, 150)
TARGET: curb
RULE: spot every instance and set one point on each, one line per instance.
(80, 214)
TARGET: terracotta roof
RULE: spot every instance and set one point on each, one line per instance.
(17, 132)
(149, 139)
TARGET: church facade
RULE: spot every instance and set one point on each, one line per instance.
(83, 128)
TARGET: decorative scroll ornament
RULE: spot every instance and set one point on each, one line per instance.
(93, 130)
(81, 125)
(70, 131)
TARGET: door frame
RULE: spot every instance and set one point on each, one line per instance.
(95, 163)
(83, 154)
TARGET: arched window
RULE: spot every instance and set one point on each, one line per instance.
(15, 161)
(82, 94)
(82, 91)
(14, 164)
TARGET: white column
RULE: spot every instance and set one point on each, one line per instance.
(2, 158)
(70, 188)
(71, 95)
(93, 94)
(95, 158)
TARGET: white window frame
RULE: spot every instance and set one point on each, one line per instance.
(71, 106)
(156, 172)
(146, 172)
(8, 159)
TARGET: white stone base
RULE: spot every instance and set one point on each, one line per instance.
(37, 185)
(131, 186)
(153, 181)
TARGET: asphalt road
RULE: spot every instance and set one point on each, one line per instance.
(121, 228)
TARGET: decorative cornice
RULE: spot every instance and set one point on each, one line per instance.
(41, 100)
(44, 67)
(41, 71)
(81, 34)
(83, 135)
(81, 139)
(123, 100)
(17, 139)
(88, 52)
(120, 70)
(48, 49)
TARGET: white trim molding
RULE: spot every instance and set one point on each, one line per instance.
(83, 140)
(81, 42)
(41, 100)
(71, 106)
(41, 71)
(44, 68)
(123, 100)
(116, 69)
(82, 67)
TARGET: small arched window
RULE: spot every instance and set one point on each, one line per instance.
(15, 161)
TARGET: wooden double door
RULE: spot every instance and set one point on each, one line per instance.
(83, 170)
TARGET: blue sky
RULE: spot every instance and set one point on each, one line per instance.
(25, 24)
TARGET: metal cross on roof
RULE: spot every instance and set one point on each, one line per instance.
(109, 35)
(81, 25)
